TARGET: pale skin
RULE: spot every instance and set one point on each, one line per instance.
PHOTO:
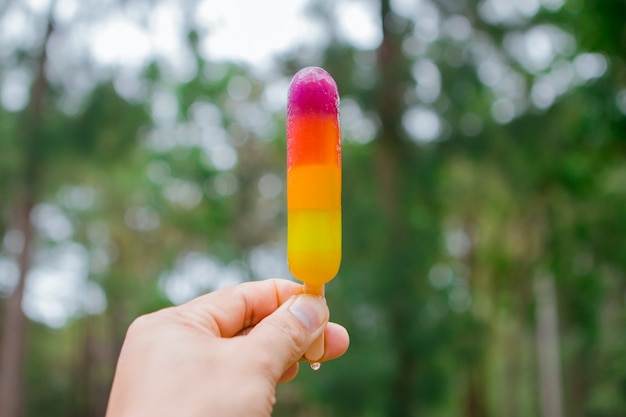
(221, 354)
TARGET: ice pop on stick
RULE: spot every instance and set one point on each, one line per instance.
(313, 183)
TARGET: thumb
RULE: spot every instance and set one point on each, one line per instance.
(283, 337)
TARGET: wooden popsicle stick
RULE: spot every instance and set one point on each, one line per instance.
(316, 350)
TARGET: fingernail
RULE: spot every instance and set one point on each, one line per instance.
(310, 310)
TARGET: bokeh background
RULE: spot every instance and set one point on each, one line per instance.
(484, 270)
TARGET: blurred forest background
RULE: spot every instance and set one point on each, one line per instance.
(484, 268)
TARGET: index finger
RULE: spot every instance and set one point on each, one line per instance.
(227, 311)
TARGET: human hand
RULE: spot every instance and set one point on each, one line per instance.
(221, 354)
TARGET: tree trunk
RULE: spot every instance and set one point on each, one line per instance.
(90, 383)
(14, 322)
(392, 156)
(14, 326)
(549, 366)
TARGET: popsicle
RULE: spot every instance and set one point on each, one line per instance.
(313, 183)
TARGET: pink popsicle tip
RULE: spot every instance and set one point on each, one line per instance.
(313, 90)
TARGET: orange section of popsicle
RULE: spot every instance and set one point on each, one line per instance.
(305, 193)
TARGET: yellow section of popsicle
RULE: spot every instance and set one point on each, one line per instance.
(314, 244)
